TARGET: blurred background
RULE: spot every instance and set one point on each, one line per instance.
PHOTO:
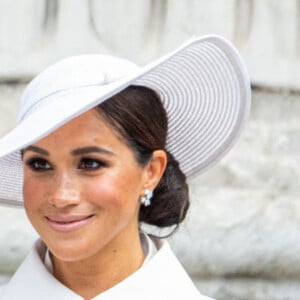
(241, 239)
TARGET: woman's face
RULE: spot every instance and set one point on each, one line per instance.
(81, 188)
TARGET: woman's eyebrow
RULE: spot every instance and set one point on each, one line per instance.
(36, 149)
(90, 149)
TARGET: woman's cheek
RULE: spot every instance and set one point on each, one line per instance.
(111, 191)
(36, 192)
(30, 189)
(101, 191)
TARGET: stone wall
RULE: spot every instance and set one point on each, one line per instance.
(34, 33)
(240, 240)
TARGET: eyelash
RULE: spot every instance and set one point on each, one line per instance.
(38, 164)
(31, 163)
(100, 164)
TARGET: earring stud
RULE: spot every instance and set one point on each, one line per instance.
(146, 199)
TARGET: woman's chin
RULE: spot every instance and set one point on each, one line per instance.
(70, 251)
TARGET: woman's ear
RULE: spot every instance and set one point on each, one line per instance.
(155, 169)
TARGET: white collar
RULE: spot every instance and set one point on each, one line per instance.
(148, 247)
(161, 278)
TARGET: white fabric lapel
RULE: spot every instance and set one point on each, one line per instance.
(162, 278)
(33, 281)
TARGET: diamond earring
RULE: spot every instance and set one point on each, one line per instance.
(146, 199)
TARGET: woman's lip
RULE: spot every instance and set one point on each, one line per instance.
(67, 223)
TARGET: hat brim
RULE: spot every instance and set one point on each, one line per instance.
(205, 90)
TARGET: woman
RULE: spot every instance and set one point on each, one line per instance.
(102, 146)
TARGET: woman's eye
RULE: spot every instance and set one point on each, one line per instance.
(90, 164)
(38, 164)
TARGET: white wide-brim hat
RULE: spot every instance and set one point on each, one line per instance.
(203, 85)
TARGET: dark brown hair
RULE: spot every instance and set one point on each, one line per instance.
(138, 115)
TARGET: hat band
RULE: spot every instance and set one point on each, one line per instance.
(57, 94)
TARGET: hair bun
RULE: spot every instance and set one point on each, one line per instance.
(170, 200)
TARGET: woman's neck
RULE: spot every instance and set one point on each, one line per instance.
(102, 271)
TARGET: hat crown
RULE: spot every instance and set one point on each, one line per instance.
(70, 74)
(203, 85)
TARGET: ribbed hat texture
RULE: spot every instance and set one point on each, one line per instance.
(203, 85)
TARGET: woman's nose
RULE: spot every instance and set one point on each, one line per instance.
(65, 192)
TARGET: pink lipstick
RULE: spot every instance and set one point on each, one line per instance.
(68, 223)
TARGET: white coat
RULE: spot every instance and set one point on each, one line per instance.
(162, 278)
